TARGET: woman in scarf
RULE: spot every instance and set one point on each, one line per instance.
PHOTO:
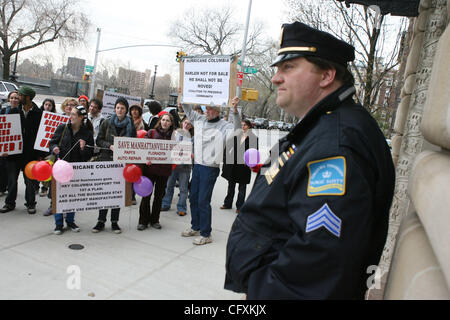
(136, 115)
(118, 125)
(234, 170)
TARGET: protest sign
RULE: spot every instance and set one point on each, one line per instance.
(10, 134)
(94, 186)
(49, 122)
(208, 80)
(109, 99)
(135, 150)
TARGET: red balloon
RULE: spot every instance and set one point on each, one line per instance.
(132, 173)
(141, 133)
(42, 171)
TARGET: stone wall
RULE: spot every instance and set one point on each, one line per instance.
(417, 251)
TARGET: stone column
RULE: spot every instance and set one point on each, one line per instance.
(408, 141)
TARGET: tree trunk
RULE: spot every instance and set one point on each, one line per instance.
(6, 60)
(368, 89)
(264, 104)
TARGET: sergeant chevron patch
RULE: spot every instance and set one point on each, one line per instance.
(324, 217)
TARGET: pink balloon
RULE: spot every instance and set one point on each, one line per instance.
(62, 171)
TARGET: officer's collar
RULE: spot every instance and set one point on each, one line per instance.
(329, 103)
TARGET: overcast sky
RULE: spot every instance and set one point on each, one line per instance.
(135, 22)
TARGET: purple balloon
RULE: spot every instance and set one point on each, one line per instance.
(143, 187)
(251, 157)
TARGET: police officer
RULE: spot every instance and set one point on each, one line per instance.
(317, 217)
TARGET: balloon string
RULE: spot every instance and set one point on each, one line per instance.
(71, 149)
(100, 148)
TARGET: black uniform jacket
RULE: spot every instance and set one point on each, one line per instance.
(311, 228)
(30, 129)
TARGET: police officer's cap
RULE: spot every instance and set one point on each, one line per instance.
(300, 40)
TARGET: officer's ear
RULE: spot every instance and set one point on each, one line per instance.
(328, 77)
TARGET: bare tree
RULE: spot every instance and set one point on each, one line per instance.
(27, 24)
(376, 39)
(212, 31)
(262, 80)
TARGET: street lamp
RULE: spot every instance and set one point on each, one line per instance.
(13, 77)
(152, 95)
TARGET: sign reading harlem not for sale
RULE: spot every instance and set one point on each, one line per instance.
(208, 80)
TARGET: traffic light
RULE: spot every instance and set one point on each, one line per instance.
(85, 77)
(180, 54)
(249, 94)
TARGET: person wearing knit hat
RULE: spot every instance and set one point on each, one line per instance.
(136, 116)
(123, 101)
(84, 101)
(27, 91)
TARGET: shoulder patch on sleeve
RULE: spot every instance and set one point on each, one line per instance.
(327, 177)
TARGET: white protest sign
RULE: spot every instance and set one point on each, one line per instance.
(49, 122)
(135, 150)
(10, 134)
(109, 99)
(94, 186)
(206, 80)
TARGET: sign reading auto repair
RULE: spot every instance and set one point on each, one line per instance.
(49, 122)
(135, 150)
(10, 134)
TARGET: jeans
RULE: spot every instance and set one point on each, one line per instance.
(228, 202)
(147, 216)
(30, 191)
(114, 215)
(3, 175)
(183, 178)
(202, 185)
(70, 218)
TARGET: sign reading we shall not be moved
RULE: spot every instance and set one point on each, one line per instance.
(208, 80)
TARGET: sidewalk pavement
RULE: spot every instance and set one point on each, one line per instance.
(150, 264)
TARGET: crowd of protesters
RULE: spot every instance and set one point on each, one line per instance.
(89, 136)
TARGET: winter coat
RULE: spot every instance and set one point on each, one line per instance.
(65, 139)
(30, 129)
(318, 216)
(234, 168)
(105, 138)
(158, 169)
